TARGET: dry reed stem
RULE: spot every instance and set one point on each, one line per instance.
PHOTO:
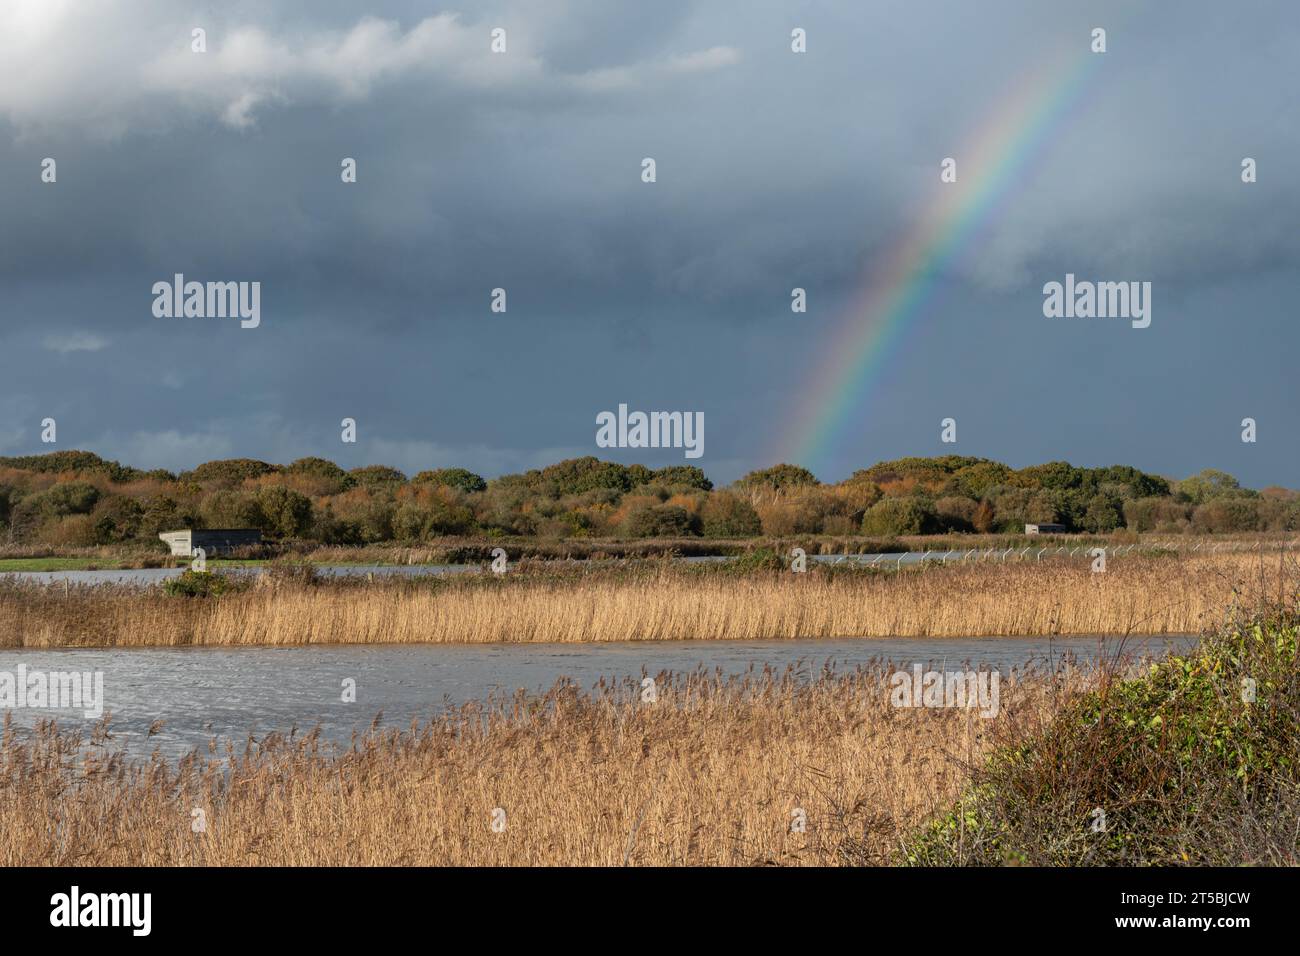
(1137, 595)
(710, 774)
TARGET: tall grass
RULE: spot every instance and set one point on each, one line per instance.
(712, 772)
(1141, 595)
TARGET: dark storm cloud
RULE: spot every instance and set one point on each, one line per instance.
(522, 171)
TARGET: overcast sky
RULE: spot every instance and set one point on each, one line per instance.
(522, 170)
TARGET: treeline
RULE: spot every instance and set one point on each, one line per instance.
(76, 498)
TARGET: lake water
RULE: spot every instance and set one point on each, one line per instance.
(231, 692)
(158, 575)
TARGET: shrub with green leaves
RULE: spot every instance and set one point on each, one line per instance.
(286, 513)
(377, 476)
(895, 516)
(462, 479)
(1195, 762)
(777, 478)
(230, 471)
(724, 515)
(69, 498)
(659, 521)
(199, 584)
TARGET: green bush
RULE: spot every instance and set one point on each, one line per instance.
(1185, 768)
(1207, 486)
(230, 471)
(658, 521)
(896, 516)
(334, 478)
(459, 478)
(317, 468)
(576, 475)
(199, 584)
(162, 513)
(1104, 514)
(759, 559)
(681, 476)
(232, 509)
(1156, 514)
(1227, 515)
(937, 470)
(285, 513)
(70, 498)
(778, 478)
(956, 513)
(726, 515)
(414, 521)
(117, 519)
(57, 462)
(377, 476)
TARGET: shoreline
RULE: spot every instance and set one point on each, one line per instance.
(470, 550)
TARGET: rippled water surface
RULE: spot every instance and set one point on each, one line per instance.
(230, 692)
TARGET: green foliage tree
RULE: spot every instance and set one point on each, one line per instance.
(227, 508)
(58, 462)
(897, 516)
(974, 481)
(68, 498)
(685, 476)
(1226, 515)
(1104, 514)
(459, 478)
(1209, 485)
(956, 513)
(1156, 514)
(117, 518)
(320, 468)
(377, 476)
(230, 471)
(163, 513)
(575, 475)
(658, 521)
(929, 471)
(781, 477)
(1053, 474)
(724, 515)
(286, 513)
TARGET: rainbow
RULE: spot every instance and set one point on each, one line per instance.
(899, 290)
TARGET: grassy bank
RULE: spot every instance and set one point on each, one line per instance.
(651, 601)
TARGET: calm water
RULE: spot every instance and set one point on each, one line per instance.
(158, 575)
(231, 692)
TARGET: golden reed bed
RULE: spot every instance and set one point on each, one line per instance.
(711, 772)
(1140, 595)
